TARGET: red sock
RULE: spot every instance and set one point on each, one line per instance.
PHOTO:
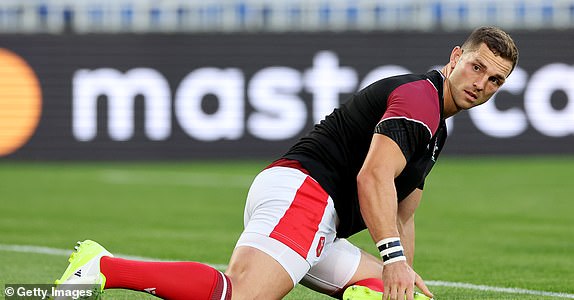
(374, 284)
(167, 280)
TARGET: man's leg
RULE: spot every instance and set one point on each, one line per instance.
(289, 221)
(256, 275)
(344, 265)
(92, 264)
(252, 274)
(369, 273)
(167, 280)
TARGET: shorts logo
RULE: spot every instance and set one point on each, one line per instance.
(320, 246)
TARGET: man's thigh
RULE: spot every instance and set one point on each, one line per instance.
(343, 265)
(256, 275)
(288, 218)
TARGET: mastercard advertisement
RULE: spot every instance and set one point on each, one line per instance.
(205, 96)
(20, 102)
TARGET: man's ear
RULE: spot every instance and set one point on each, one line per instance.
(455, 56)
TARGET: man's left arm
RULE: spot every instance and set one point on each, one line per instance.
(406, 223)
(406, 226)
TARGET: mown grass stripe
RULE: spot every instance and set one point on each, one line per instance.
(202, 179)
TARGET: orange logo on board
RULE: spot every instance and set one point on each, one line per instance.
(20, 102)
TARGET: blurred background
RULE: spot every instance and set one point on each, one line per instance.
(167, 16)
(175, 79)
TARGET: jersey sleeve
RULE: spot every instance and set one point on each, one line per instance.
(412, 116)
(408, 135)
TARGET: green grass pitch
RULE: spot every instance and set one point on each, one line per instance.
(497, 222)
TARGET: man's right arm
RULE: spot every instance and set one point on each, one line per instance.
(379, 205)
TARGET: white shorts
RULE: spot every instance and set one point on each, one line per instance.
(289, 216)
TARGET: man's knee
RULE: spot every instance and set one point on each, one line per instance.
(256, 275)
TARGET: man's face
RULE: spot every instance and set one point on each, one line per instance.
(476, 76)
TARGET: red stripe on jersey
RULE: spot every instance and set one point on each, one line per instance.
(416, 100)
(297, 228)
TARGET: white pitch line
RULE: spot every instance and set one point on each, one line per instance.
(64, 252)
(460, 285)
(486, 288)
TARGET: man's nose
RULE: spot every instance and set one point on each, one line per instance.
(480, 83)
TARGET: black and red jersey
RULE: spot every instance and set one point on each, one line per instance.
(407, 108)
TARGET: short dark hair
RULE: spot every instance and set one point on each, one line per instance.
(496, 39)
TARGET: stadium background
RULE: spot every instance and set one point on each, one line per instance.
(243, 79)
(215, 89)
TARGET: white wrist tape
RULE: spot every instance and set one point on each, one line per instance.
(391, 250)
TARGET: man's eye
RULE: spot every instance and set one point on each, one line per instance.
(476, 67)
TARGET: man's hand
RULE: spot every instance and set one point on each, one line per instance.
(399, 279)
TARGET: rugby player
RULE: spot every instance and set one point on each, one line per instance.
(362, 167)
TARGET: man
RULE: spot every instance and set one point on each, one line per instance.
(362, 167)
